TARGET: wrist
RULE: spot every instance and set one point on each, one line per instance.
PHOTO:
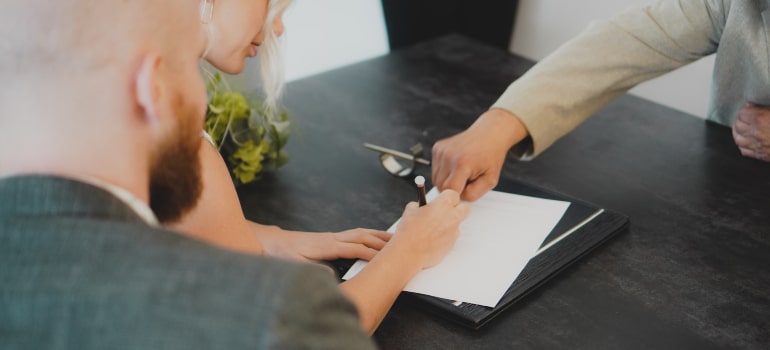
(506, 125)
(404, 252)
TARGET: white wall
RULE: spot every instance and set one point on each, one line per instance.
(326, 34)
(542, 25)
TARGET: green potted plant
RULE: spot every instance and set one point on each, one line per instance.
(250, 139)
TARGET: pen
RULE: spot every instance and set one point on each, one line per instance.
(420, 182)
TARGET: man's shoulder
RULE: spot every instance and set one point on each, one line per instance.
(76, 261)
(152, 285)
(288, 304)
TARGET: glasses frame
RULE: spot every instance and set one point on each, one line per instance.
(398, 163)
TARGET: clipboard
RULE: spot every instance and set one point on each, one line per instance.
(583, 227)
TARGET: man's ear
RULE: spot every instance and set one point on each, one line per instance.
(148, 90)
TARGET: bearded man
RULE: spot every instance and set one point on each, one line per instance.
(101, 112)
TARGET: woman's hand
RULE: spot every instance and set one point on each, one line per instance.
(428, 233)
(423, 237)
(357, 243)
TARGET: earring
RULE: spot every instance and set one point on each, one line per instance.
(207, 11)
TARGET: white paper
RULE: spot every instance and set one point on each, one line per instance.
(501, 234)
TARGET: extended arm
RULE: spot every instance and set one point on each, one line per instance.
(605, 61)
(572, 83)
(218, 219)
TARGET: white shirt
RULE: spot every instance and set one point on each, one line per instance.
(137, 205)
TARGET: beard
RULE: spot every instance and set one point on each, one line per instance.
(175, 172)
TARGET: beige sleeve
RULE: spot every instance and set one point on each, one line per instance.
(606, 60)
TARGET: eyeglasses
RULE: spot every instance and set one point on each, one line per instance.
(399, 163)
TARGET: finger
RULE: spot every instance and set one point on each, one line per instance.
(750, 153)
(458, 179)
(371, 241)
(436, 164)
(748, 113)
(742, 141)
(763, 119)
(360, 236)
(763, 156)
(443, 171)
(744, 135)
(366, 254)
(356, 251)
(361, 231)
(479, 187)
(747, 152)
(450, 197)
(462, 211)
(742, 127)
(385, 236)
(410, 207)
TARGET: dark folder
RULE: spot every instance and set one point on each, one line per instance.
(583, 227)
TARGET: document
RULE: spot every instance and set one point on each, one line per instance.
(501, 234)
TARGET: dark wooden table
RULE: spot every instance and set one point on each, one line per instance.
(693, 271)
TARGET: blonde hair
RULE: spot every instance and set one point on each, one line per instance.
(271, 63)
(270, 57)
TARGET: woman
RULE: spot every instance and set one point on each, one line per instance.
(240, 29)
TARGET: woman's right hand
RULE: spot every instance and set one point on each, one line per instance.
(423, 237)
(428, 233)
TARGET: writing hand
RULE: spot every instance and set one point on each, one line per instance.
(423, 237)
(429, 232)
(751, 131)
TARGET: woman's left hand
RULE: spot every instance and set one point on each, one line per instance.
(357, 243)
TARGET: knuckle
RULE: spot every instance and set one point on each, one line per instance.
(489, 181)
(438, 150)
(450, 196)
(462, 163)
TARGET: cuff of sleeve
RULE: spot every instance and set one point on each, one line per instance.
(524, 150)
(540, 136)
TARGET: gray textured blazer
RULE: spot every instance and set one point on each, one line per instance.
(80, 270)
(610, 57)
